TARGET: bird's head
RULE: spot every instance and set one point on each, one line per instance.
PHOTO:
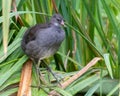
(57, 20)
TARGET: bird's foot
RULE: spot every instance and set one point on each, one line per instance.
(53, 74)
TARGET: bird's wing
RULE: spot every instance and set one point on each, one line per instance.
(30, 34)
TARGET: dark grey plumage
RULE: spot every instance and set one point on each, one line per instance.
(43, 40)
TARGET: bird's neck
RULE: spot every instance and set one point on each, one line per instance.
(55, 24)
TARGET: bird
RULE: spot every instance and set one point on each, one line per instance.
(43, 40)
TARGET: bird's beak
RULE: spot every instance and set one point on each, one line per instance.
(62, 23)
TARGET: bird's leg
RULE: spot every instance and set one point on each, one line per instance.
(39, 73)
(49, 69)
(36, 66)
(39, 76)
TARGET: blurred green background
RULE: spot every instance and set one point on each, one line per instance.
(92, 30)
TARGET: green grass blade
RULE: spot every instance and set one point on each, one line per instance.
(107, 62)
(11, 48)
(92, 90)
(5, 12)
(13, 69)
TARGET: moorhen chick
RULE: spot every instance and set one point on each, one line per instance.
(43, 40)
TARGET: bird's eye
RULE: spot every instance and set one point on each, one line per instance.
(58, 19)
